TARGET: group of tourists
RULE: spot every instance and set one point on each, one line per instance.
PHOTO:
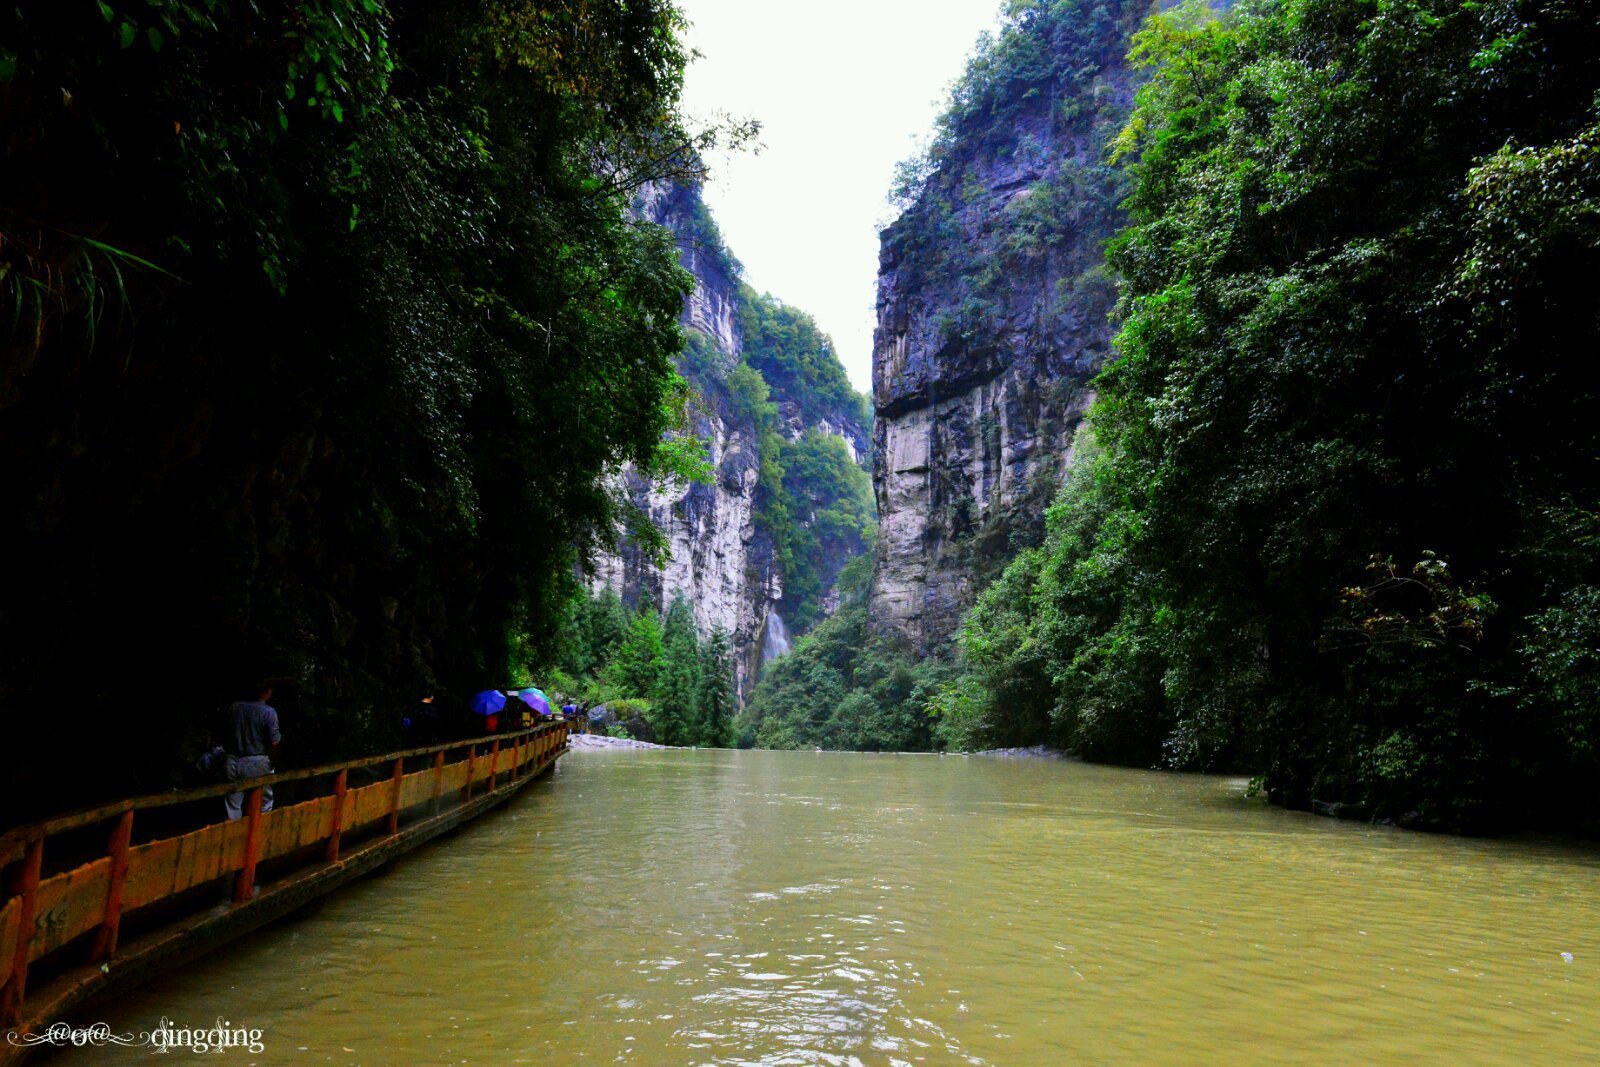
(248, 734)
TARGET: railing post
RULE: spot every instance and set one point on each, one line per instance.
(438, 779)
(341, 786)
(394, 801)
(26, 887)
(472, 756)
(105, 940)
(494, 762)
(244, 882)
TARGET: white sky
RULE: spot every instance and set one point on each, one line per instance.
(844, 89)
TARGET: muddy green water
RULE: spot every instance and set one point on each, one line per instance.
(731, 907)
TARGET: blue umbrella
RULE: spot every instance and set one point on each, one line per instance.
(489, 702)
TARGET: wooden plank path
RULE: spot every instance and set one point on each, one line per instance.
(62, 941)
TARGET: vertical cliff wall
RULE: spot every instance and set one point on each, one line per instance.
(722, 553)
(992, 310)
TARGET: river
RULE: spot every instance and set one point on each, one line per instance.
(721, 907)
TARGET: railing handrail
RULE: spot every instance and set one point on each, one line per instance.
(14, 842)
(302, 846)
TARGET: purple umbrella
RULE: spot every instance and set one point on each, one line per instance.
(536, 700)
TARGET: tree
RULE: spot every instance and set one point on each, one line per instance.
(676, 693)
(607, 624)
(716, 690)
(637, 665)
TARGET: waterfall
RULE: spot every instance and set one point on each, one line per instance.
(776, 640)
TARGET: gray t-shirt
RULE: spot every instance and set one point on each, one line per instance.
(250, 728)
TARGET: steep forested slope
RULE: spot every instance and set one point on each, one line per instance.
(1343, 528)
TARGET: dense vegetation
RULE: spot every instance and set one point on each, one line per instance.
(813, 500)
(660, 679)
(797, 360)
(1343, 528)
(323, 324)
(844, 686)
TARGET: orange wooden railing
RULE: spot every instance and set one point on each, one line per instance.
(81, 909)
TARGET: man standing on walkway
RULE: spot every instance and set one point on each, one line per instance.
(250, 736)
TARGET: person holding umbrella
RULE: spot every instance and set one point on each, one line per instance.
(489, 704)
(536, 700)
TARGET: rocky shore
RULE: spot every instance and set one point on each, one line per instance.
(602, 741)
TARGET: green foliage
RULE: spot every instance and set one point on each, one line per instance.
(831, 499)
(679, 684)
(640, 659)
(843, 687)
(812, 500)
(372, 322)
(1342, 528)
(716, 697)
(1056, 650)
(797, 360)
(672, 686)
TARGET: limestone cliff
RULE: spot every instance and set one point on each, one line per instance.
(992, 311)
(721, 554)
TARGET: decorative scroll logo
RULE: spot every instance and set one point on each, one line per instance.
(95, 1035)
(163, 1039)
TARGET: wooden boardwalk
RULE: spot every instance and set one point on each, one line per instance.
(101, 899)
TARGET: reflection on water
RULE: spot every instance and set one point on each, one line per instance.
(721, 907)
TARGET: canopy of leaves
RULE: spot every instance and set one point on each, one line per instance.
(798, 360)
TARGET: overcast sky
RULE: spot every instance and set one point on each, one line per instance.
(844, 89)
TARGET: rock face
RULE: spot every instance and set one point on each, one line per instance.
(718, 556)
(992, 321)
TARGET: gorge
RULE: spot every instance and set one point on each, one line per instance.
(384, 417)
(741, 543)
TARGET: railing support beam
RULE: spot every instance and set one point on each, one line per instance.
(26, 887)
(341, 786)
(105, 939)
(244, 883)
(394, 801)
(438, 779)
